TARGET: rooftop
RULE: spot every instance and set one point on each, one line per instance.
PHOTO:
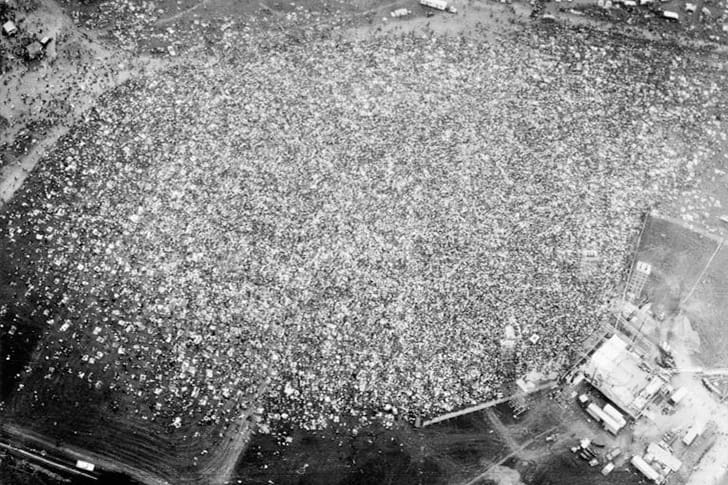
(621, 376)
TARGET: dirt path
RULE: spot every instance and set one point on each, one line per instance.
(515, 452)
(222, 466)
(699, 279)
(501, 430)
(40, 459)
(76, 74)
(72, 69)
(38, 441)
(12, 176)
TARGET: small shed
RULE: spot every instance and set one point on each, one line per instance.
(678, 395)
(694, 431)
(690, 436)
(33, 50)
(9, 28)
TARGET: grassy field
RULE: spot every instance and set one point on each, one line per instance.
(706, 309)
(679, 257)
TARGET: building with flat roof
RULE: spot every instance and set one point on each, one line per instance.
(639, 278)
(694, 431)
(622, 377)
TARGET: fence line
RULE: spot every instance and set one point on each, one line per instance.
(486, 405)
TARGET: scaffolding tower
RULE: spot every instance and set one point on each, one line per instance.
(519, 404)
(638, 280)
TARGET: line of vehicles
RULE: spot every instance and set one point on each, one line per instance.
(657, 463)
(612, 420)
(608, 416)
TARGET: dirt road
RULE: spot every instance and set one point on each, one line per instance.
(34, 440)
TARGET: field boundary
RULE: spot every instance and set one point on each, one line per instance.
(686, 225)
(486, 405)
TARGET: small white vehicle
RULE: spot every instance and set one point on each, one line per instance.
(439, 5)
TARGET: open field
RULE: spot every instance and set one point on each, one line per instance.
(452, 452)
(313, 225)
(688, 284)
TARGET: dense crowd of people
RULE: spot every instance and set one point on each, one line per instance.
(330, 229)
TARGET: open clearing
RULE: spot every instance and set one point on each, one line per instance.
(688, 284)
(316, 224)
